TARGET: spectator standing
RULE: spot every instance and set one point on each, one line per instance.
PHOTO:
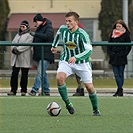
(21, 59)
(118, 54)
(74, 60)
(43, 34)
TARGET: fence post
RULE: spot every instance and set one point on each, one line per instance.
(42, 70)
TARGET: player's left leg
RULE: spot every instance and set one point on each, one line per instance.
(84, 71)
(93, 98)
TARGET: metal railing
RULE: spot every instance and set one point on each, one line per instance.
(104, 43)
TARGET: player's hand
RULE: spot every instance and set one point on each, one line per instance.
(54, 50)
(72, 60)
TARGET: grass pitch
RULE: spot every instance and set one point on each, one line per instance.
(29, 115)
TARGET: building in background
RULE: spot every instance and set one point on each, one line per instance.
(55, 10)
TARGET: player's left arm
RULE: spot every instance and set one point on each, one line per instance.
(80, 56)
(87, 49)
(83, 55)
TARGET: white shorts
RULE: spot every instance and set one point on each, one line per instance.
(83, 70)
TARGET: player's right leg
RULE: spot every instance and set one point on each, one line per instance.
(63, 71)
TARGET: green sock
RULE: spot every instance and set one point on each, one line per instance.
(94, 101)
(63, 92)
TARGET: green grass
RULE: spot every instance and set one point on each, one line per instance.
(29, 115)
(71, 82)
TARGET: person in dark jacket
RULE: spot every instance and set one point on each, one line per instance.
(118, 54)
(43, 34)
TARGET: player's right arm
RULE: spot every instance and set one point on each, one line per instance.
(56, 41)
(54, 50)
(58, 36)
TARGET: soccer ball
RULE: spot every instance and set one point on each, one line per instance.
(54, 109)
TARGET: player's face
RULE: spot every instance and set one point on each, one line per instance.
(71, 23)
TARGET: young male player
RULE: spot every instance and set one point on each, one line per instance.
(74, 60)
(80, 89)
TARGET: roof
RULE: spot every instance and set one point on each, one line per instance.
(15, 19)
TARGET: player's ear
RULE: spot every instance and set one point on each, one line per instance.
(77, 22)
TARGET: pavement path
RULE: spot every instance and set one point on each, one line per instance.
(71, 91)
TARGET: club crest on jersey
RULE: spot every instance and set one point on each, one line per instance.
(70, 45)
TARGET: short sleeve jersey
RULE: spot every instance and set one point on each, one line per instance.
(80, 39)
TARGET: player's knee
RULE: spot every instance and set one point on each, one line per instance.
(90, 87)
(60, 80)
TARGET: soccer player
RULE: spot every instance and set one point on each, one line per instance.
(80, 89)
(74, 60)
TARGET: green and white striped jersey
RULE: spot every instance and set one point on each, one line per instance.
(75, 44)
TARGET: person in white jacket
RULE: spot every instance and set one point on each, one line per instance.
(21, 59)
